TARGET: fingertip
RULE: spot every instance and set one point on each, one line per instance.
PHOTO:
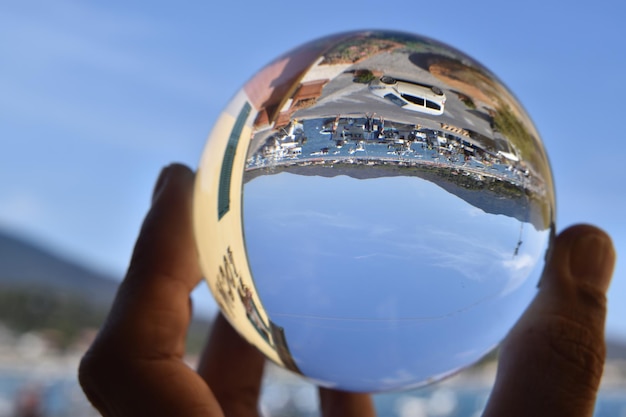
(175, 172)
(585, 254)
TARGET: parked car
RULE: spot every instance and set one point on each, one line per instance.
(410, 95)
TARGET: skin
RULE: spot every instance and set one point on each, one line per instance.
(550, 364)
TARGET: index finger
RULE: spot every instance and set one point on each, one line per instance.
(151, 312)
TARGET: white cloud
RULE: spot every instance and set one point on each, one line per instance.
(519, 268)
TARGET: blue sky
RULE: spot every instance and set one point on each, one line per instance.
(96, 98)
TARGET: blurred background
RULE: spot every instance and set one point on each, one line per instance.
(95, 98)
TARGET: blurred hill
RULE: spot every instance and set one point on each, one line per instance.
(29, 267)
(43, 292)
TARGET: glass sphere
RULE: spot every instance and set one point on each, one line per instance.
(372, 211)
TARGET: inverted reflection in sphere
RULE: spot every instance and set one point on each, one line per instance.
(372, 210)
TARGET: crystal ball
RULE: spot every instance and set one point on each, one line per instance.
(372, 210)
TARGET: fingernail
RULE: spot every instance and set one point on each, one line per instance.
(592, 259)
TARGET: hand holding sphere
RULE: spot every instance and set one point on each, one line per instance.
(136, 365)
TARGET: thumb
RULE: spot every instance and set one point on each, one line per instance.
(551, 363)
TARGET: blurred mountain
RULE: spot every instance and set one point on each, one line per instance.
(25, 266)
(41, 291)
(45, 293)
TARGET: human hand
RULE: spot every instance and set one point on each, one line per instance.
(551, 362)
(550, 365)
(135, 366)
